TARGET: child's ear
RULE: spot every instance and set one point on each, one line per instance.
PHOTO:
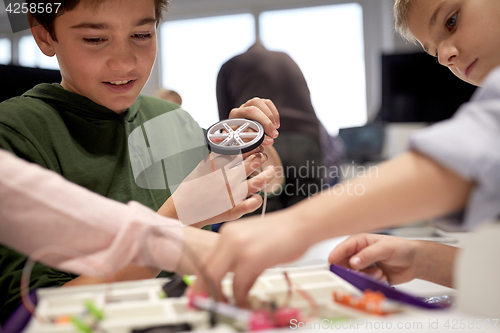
(42, 37)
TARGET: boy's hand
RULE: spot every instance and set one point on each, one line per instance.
(250, 246)
(385, 258)
(264, 112)
(217, 190)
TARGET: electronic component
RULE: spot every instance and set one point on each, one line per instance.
(176, 286)
(234, 136)
(373, 302)
(166, 329)
(363, 282)
(247, 320)
(277, 300)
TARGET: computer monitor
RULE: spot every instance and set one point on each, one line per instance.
(17, 79)
(416, 88)
(363, 144)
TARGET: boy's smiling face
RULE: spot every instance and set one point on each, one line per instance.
(106, 53)
(463, 34)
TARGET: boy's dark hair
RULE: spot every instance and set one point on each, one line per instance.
(47, 19)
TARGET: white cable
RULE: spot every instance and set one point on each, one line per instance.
(264, 205)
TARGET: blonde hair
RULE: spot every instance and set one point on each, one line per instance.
(401, 10)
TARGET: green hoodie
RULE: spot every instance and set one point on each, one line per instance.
(87, 144)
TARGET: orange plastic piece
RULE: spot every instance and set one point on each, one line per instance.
(370, 302)
(62, 320)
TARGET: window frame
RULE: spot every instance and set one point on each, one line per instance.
(377, 29)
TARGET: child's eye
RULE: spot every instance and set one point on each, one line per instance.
(142, 36)
(94, 41)
(452, 22)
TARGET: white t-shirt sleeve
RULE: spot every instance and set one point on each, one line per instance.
(469, 145)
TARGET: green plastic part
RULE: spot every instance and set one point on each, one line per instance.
(187, 280)
(80, 325)
(94, 311)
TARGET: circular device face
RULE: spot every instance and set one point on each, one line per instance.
(234, 136)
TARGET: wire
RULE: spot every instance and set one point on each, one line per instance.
(305, 295)
(64, 252)
(289, 293)
(310, 300)
(264, 205)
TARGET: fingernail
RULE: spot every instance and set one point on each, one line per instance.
(355, 261)
(274, 133)
(253, 200)
(256, 156)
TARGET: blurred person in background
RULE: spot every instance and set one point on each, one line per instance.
(306, 149)
(168, 95)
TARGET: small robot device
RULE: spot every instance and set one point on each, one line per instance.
(234, 136)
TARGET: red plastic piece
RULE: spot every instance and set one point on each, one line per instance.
(191, 297)
(283, 316)
(260, 320)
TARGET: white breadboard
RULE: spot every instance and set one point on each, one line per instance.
(140, 304)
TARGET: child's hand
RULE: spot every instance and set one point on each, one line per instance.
(249, 246)
(385, 258)
(217, 190)
(262, 111)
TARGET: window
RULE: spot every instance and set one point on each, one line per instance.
(31, 56)
(328, 45)
(5, 51)
(193, 52)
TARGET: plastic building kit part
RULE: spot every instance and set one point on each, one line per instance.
(234, 136)
(363, 282)
(175, 287)
(373, 302)
(166, 329)
(247, 319)
(142, 306)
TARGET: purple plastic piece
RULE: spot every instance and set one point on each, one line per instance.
(363, 282)
(20, 317)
